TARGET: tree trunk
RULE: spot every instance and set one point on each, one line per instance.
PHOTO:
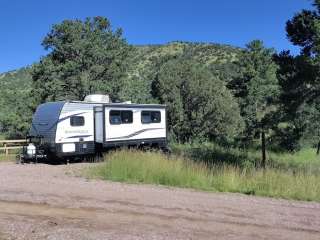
(263, 149)
(318, 148)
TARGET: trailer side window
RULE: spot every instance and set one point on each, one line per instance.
(126, 116)
(77, 121)
(120, 117)
(115, 117)
(150, 117)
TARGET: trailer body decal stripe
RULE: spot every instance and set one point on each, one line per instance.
(80, 136)
(136, 133)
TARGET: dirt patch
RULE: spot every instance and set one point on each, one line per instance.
(4, 236)
(50, 202)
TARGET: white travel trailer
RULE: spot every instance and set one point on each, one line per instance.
(76, 129)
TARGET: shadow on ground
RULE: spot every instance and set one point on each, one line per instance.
(57, 161)
(216, 155)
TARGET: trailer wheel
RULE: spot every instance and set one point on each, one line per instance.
(166, 150)
(98, 157)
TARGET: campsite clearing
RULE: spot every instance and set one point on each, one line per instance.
(40, 201)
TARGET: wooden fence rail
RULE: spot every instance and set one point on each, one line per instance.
(7, 145)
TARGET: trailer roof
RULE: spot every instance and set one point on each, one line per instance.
(123, 105)
(133, 105)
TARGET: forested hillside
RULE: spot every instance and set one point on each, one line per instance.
(146, 60)
(15, 86)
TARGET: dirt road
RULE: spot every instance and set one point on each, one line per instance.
(50, 202)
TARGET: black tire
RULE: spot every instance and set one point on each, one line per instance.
(166, 150)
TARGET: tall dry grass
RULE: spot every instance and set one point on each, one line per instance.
(156, 168)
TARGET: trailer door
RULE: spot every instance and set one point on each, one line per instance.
(98, 124)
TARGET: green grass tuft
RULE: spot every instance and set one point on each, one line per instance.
(151, 167)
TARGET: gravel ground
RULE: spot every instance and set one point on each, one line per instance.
(51, 202)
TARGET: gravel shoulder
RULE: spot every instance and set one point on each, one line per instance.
(50, 202)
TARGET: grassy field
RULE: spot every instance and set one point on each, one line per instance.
(211, 154)
(10, 157)
(178, 171)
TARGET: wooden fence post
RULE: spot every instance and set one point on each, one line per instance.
(263, 148)
(6, 149)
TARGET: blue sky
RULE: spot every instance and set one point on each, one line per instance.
(23, 24)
